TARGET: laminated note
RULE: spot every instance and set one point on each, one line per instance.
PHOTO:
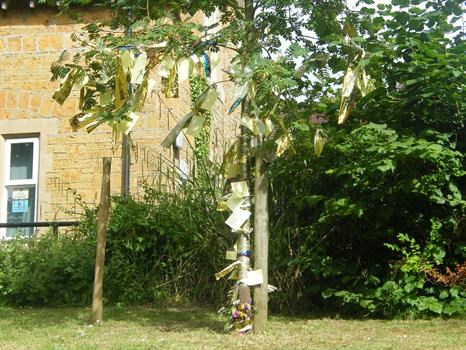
(240, 93)
(245, 329)
(210, 99)
(231, 255)
(238, 218)
(232, 170)
(140, 96)
(250, 124)
(283, 143)
(165, 67)
(62, 93)
(150, 85)
(227, 269)
(214, 60)
(261, 128)
(81, 80)
(172, 135)
(196, 125)
(121, 87)
(253, 278)
(130, 123)
(195, 59)
(234, 202)
(105, 97)
(240, 189)
(268, 127)
(82, 120)
(139, 69)
(127, 60)
(183, 70)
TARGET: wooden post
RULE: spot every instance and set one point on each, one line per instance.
(261, 242)
(102, 219)
(55, 229)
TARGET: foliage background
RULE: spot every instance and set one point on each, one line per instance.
(375, 226)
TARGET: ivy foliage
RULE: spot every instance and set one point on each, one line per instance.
(202, 144)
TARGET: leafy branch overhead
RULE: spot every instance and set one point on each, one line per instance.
(115, 73)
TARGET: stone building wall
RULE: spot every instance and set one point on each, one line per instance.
(30, 40)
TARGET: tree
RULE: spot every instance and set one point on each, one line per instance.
(267, 81)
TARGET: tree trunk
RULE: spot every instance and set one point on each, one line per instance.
(104, 208)
(243, 242)
(261, 242)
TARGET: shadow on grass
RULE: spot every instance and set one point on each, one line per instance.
(168, 320)
(165, 320)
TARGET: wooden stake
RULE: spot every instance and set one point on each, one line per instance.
(261, 242)
(102, 219)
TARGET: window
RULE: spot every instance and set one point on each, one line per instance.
(20, 186)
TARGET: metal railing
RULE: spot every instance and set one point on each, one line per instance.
(53, 224)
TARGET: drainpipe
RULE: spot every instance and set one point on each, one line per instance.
(126, 164)
(126, 148)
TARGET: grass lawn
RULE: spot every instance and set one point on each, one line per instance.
(145, 328)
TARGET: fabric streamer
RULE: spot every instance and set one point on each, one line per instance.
(205, 60)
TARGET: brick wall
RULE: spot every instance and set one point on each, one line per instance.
(30, 40)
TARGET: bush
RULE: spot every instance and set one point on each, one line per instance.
(47, 271)
(364, 224)
(167, 246)
(375, 226)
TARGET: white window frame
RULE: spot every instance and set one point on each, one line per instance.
(9, 183)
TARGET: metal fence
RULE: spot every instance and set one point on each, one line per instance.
(53, 224)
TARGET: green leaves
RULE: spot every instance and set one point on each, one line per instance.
(369, 185)
(385, 165)
(343, 207)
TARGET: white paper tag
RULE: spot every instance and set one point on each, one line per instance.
(230, 255)
(238, 218)
(253, 278)
(195, 126)
(20, 194)
(183, 70)
(210, 99)
(139, 69)
(240, 189)
(130, 123)
(234, 203)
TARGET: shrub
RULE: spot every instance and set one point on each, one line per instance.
(166, 246)
(369, 220)
(47, 271)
